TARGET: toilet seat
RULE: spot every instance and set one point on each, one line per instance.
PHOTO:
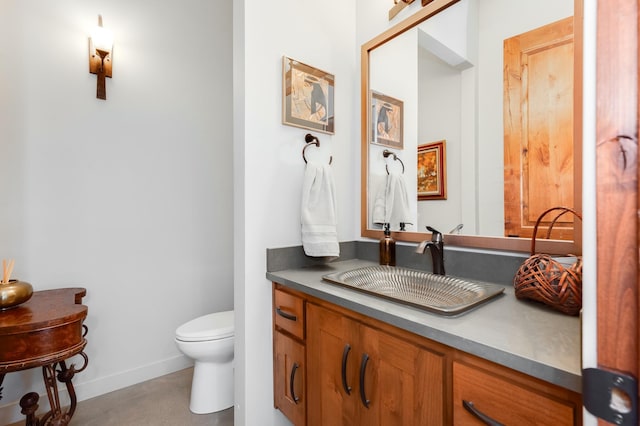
(216, 326)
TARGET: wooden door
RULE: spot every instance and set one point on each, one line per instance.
(329, 336)
(539, 128)
(618, 330)
(289, 377)
(404, 383)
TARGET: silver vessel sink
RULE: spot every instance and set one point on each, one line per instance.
(442, 294)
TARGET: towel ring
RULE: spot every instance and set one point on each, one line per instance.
(386, 153)
(312, 140)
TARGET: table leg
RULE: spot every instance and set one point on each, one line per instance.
(65, 375)
(52, 374)
(55, 416)
(29, 405)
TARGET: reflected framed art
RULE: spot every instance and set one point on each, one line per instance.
(386, 121)
(432, 171)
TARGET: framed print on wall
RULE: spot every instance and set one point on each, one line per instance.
(432, 171)
(307, 98)
(386, 121)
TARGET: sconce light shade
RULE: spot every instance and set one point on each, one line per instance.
(102, 39)
(101, 56)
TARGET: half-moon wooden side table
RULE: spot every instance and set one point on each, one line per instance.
(44, 332)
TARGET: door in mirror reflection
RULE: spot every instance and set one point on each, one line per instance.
(538, 128)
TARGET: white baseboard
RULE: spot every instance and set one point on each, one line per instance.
(10, 413)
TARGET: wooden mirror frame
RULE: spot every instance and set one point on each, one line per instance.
(473, 241)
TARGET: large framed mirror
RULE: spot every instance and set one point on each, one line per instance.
(471, 124)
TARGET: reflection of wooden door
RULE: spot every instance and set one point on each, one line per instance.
(538, 128)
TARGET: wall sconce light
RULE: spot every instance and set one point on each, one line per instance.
(398, 5)
(101, 56)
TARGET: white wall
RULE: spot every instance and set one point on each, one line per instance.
(440, 97)
(269, 167)
(129, 197)
(589, 205)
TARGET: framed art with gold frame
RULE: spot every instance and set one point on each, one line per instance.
(307, 98)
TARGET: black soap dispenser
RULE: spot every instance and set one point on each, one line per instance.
(387, 248)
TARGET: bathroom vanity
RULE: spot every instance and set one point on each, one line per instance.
(343, 357)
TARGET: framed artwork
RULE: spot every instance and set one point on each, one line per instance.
(432, 171)
(307, 98)
(386, 121)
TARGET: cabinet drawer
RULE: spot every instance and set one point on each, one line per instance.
(288, 313)
(504, 401)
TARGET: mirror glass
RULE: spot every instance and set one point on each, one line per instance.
(434, 138)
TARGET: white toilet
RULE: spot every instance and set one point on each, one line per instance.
(208, 340)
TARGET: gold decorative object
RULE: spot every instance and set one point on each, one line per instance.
(12, 292)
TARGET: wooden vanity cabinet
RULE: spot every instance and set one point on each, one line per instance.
(345, 368)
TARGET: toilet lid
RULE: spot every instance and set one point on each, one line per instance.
(214, 326)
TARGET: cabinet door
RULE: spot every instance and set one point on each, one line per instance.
(506, 402)
(359, 375)
(289, 378)
(332, 376)
(403, 383)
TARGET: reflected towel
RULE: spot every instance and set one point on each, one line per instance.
(379, 211)
(319, 212)
(391, 204)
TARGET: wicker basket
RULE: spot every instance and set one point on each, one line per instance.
(544, 279)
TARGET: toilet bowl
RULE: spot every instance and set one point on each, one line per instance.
(208, 340)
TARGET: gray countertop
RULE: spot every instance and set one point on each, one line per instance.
(521, 335)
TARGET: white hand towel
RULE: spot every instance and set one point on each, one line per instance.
(397, 201)
(379, 211)
(391, 202)
(319, 212)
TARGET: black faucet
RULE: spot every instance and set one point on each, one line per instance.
(436, 246)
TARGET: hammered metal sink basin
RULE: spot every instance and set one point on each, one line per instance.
(442, 294)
